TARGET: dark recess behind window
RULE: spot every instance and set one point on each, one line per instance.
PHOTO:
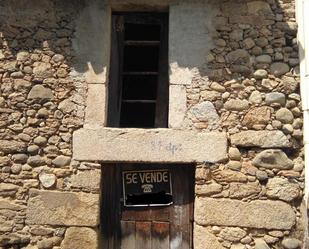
(141, 58)
(142, 32)
(131, 83)
(138, 92)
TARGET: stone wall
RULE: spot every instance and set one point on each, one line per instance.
(252, 93)
(240, 79)
(43, 91)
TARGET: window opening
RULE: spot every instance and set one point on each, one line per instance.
(138, 92)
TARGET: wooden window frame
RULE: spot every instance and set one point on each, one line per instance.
(116, 65)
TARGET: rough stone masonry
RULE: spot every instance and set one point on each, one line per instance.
(240, 79)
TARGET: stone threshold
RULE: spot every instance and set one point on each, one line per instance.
(149, 145)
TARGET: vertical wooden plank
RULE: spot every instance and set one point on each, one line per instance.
(115, 79)
(128, 235)
(110, 204)
(143, 235)
(191, 190)
(160, 235)
(161, 120)
(183, 195)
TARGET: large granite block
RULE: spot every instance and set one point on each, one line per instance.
(149, 145)
(265, 214)
(62, 208)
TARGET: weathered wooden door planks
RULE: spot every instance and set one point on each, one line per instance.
(150, 227)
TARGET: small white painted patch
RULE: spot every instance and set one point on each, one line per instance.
(176, 242)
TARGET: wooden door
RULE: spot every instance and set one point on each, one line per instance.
(148, 227)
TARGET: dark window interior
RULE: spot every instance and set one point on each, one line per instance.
(140, 87)
(142, 32)
(142, 60)
(137, 114)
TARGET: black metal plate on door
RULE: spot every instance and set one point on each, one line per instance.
(147, 188)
